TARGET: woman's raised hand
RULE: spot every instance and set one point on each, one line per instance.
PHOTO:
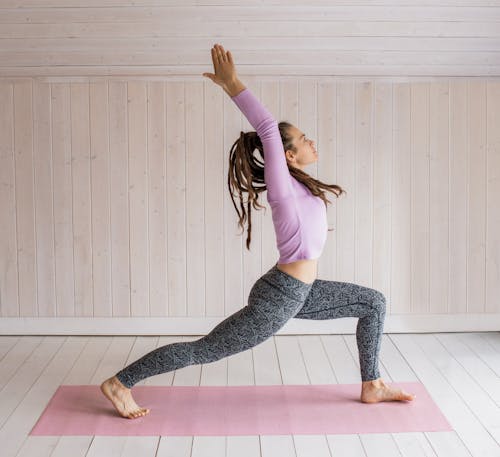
(225, 71)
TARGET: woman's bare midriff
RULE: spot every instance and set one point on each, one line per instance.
(303, 270)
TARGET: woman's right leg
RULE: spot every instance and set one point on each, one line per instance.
(274, 299)
(334, 299)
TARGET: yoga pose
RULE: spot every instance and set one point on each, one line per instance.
(290, 288)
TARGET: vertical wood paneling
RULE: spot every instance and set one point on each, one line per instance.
(233, 241)
(420, 197)
(458, 196)
(157, 158)
(195, 183)
(43, 200)
(9, 299)
(382, 184)
(100, 172)
(63, 200)
(327, 171)
(118, 181)
(401, 203)
(214, 189)
(82, 225)
(130, 213)
(476, 230)
(439, 195)
(289, 106)
(364, 184)
(25, 205)
(492, 198)
(176, 199)
(307, 119)
(138, 198)
(346, 169)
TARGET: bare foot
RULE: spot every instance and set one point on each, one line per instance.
(377, 390)
(122, 400)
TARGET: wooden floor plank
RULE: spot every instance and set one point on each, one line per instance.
(277, 446)
(144, 446)
(346, 445)
(485, 348)
(202, 446)
(414, 444)
(353, 347)
(474, 436)
(316, 360)
(82, 372)
(243, 446)
(73, 446)
(240, 372)
(399, 370)
(141, 445)
(292, 365)
(346, 371)
(116, 356)
(266, 363)
(7, 343)
(475, 367)
(308, 445)
(471, 393)
(178, 446)
(493, 338)
(109, 446)
(379, 445)
(345, 367)
(446, 444)
(38, 446)
(30, 389)
(15, 358)
(456, 368)
(297, 369)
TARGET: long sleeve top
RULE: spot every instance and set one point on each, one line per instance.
(299, 217)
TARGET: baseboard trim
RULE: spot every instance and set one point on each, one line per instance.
(394, 323)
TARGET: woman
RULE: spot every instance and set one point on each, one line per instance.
(290, 288)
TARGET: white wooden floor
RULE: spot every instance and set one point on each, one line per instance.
(461, 371)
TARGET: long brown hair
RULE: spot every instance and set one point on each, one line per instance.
(246, 174)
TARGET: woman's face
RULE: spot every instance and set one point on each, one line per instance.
(306, 152)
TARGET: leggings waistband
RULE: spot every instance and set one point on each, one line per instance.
(287, 284)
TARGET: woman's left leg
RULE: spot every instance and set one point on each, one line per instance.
(333, 299)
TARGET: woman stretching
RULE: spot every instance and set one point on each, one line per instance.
(290, 288)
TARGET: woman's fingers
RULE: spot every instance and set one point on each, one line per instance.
(214, 56)
(223, 65)
(222, 53)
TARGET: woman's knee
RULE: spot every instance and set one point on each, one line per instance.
(379, 301)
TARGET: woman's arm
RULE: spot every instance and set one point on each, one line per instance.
(276, 174)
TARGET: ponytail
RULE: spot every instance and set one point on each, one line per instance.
(246, 174)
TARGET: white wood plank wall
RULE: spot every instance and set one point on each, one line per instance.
(114, 148)
(114, 199)
(277, 37)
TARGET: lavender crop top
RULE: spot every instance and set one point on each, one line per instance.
(299, 217)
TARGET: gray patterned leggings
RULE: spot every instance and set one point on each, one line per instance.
(275, 298)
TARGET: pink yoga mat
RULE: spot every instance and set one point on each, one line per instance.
(240, 410)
